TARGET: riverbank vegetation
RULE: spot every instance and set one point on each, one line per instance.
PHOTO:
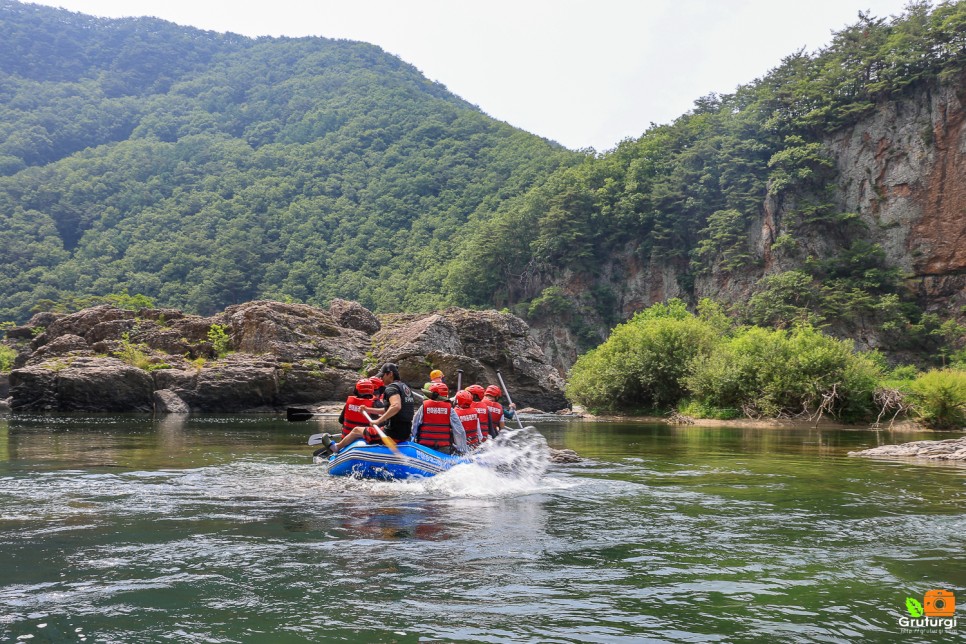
(703, 364)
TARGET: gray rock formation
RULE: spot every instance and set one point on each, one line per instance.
(168, 402)
(353, 315)
(953, 449)
(108, 359)
(81, 383)
(479, 343)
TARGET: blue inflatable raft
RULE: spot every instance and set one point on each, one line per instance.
(361, 460)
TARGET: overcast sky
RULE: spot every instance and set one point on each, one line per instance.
(585, 73)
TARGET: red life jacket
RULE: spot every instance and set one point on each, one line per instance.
(434, 430)
(483, 414)
(471, 423)
(352, 415)
(495, 412)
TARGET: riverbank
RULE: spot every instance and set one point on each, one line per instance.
(334, 408)
(753, 423)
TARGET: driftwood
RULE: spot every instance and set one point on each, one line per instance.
(887, 399)
(829, 398)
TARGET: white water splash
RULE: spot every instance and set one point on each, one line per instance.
(512, 465)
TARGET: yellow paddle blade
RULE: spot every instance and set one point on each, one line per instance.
(390, 443)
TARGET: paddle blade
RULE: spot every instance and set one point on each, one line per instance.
(390, 443)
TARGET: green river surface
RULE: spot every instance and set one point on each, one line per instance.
(220, 529)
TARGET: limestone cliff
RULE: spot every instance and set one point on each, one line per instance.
(901, 170)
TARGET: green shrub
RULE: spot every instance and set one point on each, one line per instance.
(220, 340)
(696, 409)
(786, 373)
(124, 300)
(7, 356)
(644, 362)
(551, 303)
(138, 355)
(939, 398)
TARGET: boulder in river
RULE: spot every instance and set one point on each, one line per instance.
(952, 449)
(479, 343)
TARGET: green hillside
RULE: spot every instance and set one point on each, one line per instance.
(205, 169)
(688, 196)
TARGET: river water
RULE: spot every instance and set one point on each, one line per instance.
(219, 529)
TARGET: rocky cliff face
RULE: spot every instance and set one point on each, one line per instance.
(110, 359)
(902, 170)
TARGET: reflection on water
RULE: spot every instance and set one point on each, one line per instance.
(219, 529)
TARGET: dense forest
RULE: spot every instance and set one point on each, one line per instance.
(204, 169)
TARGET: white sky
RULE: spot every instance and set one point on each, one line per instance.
(585, 73)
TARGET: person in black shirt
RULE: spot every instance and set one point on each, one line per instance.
(397, 419)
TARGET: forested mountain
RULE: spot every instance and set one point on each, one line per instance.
(205, 169)
(829, 191)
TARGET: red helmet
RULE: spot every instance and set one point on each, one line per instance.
(464, 398)
(440, 388)
(377, 382)
(476, 391)
(494, 391)
(364, 387)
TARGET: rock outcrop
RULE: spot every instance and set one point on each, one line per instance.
(109, 359)
(81, 383)
(953, 449)
(478, 342)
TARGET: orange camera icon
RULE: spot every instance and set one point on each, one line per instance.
(939, 603)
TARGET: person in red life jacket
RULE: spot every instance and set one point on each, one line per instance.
(437, 426)
(352, 416)
(496, 411)
(378, 392)
(479, 406)
(352, 413)
(469, 418)
(395, 420)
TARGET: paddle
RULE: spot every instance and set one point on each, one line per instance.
(319, 439)
(507, 394)
(459, 379)
(390, 443)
